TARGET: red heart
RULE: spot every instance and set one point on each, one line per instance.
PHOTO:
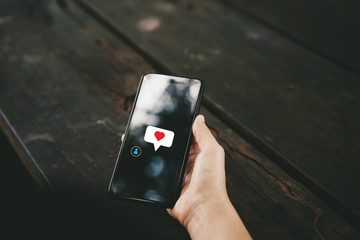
(159, 135)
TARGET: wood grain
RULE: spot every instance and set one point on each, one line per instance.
(68, 97)
(326, 27)
(300, 108)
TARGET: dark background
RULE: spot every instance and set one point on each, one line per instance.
(282, 98)
(27, 211)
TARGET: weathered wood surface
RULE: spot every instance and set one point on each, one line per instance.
(14, 176)
(297, 107)
(66, 93)
(331, 28)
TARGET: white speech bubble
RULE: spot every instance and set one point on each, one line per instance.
(159, 137)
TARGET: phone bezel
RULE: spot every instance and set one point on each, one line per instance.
(171, 203)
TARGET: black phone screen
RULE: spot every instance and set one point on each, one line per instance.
(154, 151)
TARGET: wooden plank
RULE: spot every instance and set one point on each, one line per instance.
(55, 91)
(14, 177)
(328, 27)
(26, 157)
(70, 119)
(298, 107)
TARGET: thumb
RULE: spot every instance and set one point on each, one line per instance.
(202, 134)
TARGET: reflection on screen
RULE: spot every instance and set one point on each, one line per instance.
(153, 152)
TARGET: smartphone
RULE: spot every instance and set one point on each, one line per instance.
(153, 155)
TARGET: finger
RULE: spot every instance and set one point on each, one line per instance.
(202, 134)
(122, 137)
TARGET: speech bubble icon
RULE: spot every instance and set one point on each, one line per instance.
(159, 137)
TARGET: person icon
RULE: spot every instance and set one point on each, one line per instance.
(135, 151)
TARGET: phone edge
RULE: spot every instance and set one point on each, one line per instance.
(184, 162)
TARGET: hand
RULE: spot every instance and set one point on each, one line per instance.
(204, 175)
(203, 207)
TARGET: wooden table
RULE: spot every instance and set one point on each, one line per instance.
(282, 98)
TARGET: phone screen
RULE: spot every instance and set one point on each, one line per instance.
(153, 154)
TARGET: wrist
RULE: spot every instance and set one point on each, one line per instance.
(204, 214)
(216, 219)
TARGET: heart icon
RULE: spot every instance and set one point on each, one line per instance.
(159, 135)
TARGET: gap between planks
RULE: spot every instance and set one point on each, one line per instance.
(226, 117)
(243, 12)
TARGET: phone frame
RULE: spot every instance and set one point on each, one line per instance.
(187, 150)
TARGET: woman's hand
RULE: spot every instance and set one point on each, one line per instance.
(204, 208)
